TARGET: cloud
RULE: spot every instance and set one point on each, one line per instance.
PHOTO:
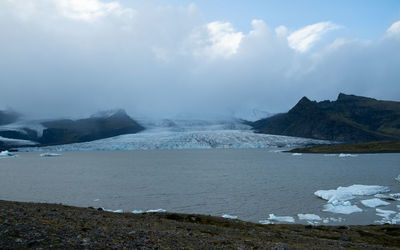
(394, 29)
(304, 38)
(74, 58)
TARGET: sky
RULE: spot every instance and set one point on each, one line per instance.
(169, 58)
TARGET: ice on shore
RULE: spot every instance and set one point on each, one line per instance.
(309, 217)
(374, 202)
(341, 207)
(349, 193)
(288, 219)
(392, 197)
(347, 155)
(227, 216)
(265, 222)
(160, 210)
(49, 155)
(137, 211)
(113, 211)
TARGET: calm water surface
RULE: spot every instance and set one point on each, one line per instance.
(248, 183)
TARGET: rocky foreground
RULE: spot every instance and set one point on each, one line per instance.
(36, 225)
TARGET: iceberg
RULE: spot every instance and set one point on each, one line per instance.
(288, 219)
(49, 155)
(342, 208)
(137, 211)
(392, 197)
(349, 193)
(375, 202)
(265, 222)
(227, 216)
(347, 155)
(297, 154)
(160, 210)
(386, 214)
(7, 154)
(309, 217)
(397, 178)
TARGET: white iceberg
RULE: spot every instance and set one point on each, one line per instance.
(392, 197)
(349, 193)
(49, 155)
(297, 154)
(227, 216)
(374, 202)
(160, 210)
(347, 155)
(309, 217)
(137, 211)
(288, 219)
(397, 178)
(7, 154)
(341, 207)
(265, 222)
(384, 213)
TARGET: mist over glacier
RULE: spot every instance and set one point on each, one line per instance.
(74, 58)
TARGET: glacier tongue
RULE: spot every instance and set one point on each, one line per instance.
(185, 140)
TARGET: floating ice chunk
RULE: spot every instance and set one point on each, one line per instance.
(113, 211)
(325, 221)
(265, 222)
(297, 154)
(384, 213)
(289, 219)
(160, 210)
(375, 202)
(7, 154)
(348, 193)
(227, 216)
(309, 217)
(341, 207)
(392, 197)
(96, 200)
(137, 211)
(347, 155)
(397, 178)
(49, 155)
(339, 219)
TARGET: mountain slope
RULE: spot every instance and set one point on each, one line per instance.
(349, 119)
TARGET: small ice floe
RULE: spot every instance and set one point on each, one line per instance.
(137, 211)
(325, 220)
(288, 219)
(49, 155)
(297, 154)
(227, 216)
(309, 217)
(265, 222)
(96, 200)
(348, 193)
(391, 197)
(160, 210)
(7, 154)
(374, 202)
(113, 211)
(397, 178)
(347, 155)
(386, 214)
(341, 207)
(339, 219)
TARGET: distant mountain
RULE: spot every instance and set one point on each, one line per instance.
(348, 119)
(252, 115)
(99, 126)
(7, 117)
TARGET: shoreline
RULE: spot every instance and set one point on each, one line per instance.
(33, 225)
(376, 147)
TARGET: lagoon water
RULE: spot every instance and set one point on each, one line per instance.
(248, 183)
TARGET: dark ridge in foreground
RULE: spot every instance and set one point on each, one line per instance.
(355, 148)
(35, 225)
(348, 119)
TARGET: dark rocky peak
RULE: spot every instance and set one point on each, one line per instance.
(304, 105)
(353, 98)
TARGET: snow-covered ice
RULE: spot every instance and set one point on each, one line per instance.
(349, 193)
(227, 216)
(374, 202)
(309, 217)
(160, 210)
(347, 155)
(288, 219)
(49, 155)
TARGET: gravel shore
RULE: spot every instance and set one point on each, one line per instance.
(40, 225)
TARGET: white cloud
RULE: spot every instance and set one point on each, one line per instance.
(394, 29)
(304, 38)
